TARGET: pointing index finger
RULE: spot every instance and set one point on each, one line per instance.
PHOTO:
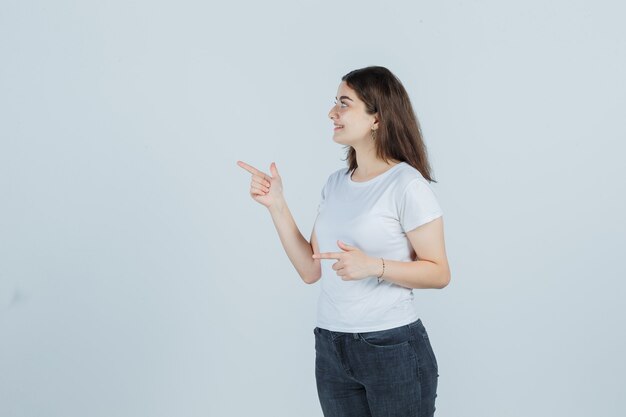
(252, 170)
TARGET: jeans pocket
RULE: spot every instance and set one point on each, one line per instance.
(431, 352)
(423, 335)
(386, 339)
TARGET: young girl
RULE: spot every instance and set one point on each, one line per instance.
(377, 236)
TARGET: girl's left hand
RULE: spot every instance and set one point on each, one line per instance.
(352, 262)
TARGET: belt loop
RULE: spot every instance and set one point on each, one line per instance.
(355, 335)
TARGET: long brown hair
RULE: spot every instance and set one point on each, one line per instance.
(399, 135)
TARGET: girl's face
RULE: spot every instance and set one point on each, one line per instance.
(352, 125)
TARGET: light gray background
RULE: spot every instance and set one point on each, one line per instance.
(138, 277)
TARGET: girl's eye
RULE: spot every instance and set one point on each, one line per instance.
(341, 103)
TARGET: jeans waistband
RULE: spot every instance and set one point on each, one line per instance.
(336, 334)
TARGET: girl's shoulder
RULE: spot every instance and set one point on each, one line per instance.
(337, 174)
(407, 174)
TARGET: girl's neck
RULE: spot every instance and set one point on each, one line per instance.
(366, 171)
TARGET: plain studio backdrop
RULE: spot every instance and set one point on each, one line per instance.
(139, 278)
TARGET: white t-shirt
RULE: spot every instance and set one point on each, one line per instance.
(373, 216)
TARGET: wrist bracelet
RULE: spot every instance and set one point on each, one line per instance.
(382, 273)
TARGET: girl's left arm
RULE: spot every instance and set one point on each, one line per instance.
(431, 270)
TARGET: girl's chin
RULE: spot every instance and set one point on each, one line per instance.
(339, 139)
(343, 141)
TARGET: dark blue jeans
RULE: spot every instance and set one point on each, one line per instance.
(379, 374)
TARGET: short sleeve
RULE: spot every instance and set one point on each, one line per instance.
(323, 198)
(418, 205)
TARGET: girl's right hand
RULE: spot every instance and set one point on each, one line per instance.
(264, 189)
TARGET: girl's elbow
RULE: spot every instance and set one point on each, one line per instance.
(311, 280)
(317, 274)
(445, 279)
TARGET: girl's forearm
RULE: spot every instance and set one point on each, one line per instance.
(298, 249)
(415, 274)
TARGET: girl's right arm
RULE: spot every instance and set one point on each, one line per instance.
(268, 190)
(296, 246)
